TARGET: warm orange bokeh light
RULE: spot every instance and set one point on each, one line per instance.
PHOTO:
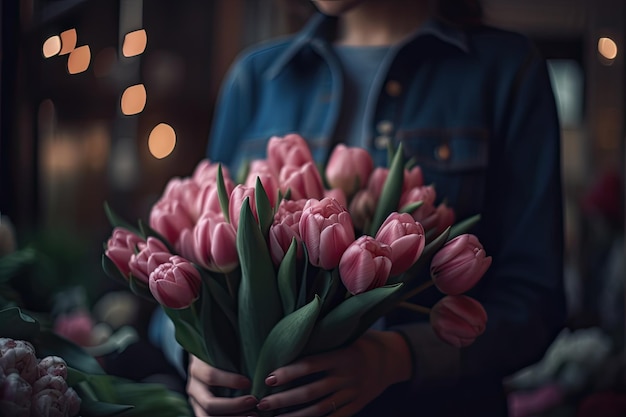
(135, 43)
(133, 99)
(51, 46)
(68, 41)
(79, 60)
(607, 48)
(162, 140)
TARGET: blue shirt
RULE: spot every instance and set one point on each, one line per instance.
(476, 110)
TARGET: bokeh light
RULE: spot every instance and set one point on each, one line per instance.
(134, 43)
(162, 140)
(607, 48)
(79, 60)
(51, 47)
(133, 99)
(68, 41)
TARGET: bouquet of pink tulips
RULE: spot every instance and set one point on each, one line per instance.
(293, 260)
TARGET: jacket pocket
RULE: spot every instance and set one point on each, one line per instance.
(455, 161)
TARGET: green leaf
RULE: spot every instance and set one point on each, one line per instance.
(188, 331)
(285, 343)
(302, 294)
(222, 194)
(51, 344)
(464, 226)
(287, 271)
(221, 297)
(263, 207)
(411, 207)
(259, 301)
(111, 270)
(338, 327)
(329, 290)
(16, 325)
(390, 196)
(91, 408)
(117, 221)
(219, 327)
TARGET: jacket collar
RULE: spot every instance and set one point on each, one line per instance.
(319, 27)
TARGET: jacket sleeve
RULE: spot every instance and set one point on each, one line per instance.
(522, 228)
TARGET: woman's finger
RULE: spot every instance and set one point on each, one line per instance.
(301, 394)
(215, 377)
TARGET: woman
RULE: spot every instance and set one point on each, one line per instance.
(473, 105)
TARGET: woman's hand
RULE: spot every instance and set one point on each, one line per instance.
(202, 377)
(352, 377)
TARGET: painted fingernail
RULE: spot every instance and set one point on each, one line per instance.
(263, 405)
(271, 380)
(251, 401)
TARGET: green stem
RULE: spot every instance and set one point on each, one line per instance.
(418, 289)
(229, 285)
(414, 307)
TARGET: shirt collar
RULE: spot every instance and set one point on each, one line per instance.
(319, 26)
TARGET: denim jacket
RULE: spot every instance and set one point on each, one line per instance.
(475, 109)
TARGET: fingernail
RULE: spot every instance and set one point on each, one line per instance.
(251, 401)
(271, 380)
(263, 405)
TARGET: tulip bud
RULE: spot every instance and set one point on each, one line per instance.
(236, 201)
(170, 217)
(18, 356)
(260, 169)
(175, 284)
(72, 401)
(48, 403)
(362, 208)
(44, 382)
(285, 228)
(458, 320)
(376, 182)
(442, 218)
(15, 396)
(337, 194)
(413, 178)
(206, 172)
(212, 244)
(75, 326)
(303, 181)
(326, 230)
(121, 247)
(365, 265)
(52, 365)
(349, 168)
(426, 195)
(291, 149)
(405, 236)
(185, 191)
(150, 255)
(459, 265)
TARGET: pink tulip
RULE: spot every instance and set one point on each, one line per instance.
(405, 236)
(72, 400)
(458, 320)
(18, 356)
(120, 247)
(212, 244)
(285, 228)
(349, 168)
(236, 201)
(376, 181)
(206, 172)
(170, 218)
(362, 208)
(459, 265)
(185, 192)
(76, 326)
(15, 396)
(291, 150)
(326, 230)
(48, 403)
(50, 382)
(425, 194)
(413, 178)
(52, 365)
(260, 169)
(175, 284)
(303, 181)
(365, 265)
(151, 254)
(442, 218)
(337, 194)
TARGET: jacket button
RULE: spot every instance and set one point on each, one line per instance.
(442, 152)
(384, 127)
(381, 142)
(393, 88)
